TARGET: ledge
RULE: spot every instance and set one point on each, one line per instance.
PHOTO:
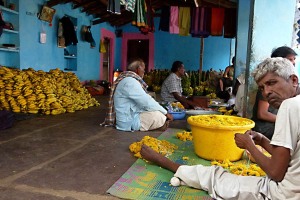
(9, 49)
(9, 10)
(70, 57)
(10, 31)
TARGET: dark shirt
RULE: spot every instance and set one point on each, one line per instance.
(264, 127)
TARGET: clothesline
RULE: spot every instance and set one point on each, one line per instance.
(198, 21)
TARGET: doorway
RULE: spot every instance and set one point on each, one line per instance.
(138, 45)
(106, 59)
(138, 49)
(107, 56)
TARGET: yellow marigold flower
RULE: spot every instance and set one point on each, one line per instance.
(161, 146)
(240, 168)
(184, 136)
(219, 120)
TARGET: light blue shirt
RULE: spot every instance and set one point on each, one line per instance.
(130, 99)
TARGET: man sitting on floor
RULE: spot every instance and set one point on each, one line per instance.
(134, 109)
(277, 80)
(171, 89)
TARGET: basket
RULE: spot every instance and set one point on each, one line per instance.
(178, 115)
(214, 141)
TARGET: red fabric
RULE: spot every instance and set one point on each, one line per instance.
(217, 21)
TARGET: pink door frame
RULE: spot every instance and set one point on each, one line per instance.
(137, 36)
(111, 36)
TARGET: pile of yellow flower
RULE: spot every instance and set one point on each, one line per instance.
(184, 136)
(240, 168)
(177, 105)
(220, 120)
(161, 146)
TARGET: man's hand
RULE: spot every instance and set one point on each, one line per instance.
(169, 116)
(257, 137)
(243, 141)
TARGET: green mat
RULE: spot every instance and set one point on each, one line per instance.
(146, 181)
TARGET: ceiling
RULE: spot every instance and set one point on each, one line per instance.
(98, 8)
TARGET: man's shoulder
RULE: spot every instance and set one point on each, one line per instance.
(295, 98)
(127, 82)
(128, 79)
(173, 76)
(293, 102)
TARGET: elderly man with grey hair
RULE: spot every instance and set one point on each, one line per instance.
(131, 108)
(278, 82)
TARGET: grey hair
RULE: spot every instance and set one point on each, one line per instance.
(135, 64)
(279, 66)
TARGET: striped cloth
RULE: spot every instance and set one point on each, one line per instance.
(110, 119)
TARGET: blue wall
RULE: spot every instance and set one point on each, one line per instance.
(48, 56)
(171, 47)
(168, 47)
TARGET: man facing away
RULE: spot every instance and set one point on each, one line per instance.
(277, 80)
(134, 108)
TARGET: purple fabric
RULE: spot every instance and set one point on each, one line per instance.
(201, 21)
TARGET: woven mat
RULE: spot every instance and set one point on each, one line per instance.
(146, 181)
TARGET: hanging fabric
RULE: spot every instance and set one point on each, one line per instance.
(89, 37)
(102, 46)
(69, 32)
(184, 21)
(201, 21)
(113, 6)
(174, 24)
(217, 21)
(139, 17)
(60, 36)
(149, 23)
(129, 5)
(164, 19)
(230, 23)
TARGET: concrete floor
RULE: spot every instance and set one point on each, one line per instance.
(68, 156)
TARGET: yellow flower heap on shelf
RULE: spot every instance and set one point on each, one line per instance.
(161, 146)
(216, 120)
(240, 168)
(184, 136)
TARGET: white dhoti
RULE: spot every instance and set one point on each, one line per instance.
(221, 184)
(152, 120)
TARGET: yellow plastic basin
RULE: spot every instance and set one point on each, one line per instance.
(213, 135)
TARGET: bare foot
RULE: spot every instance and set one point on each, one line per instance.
(158, 159)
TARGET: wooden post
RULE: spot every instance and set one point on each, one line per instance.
(201, 58)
